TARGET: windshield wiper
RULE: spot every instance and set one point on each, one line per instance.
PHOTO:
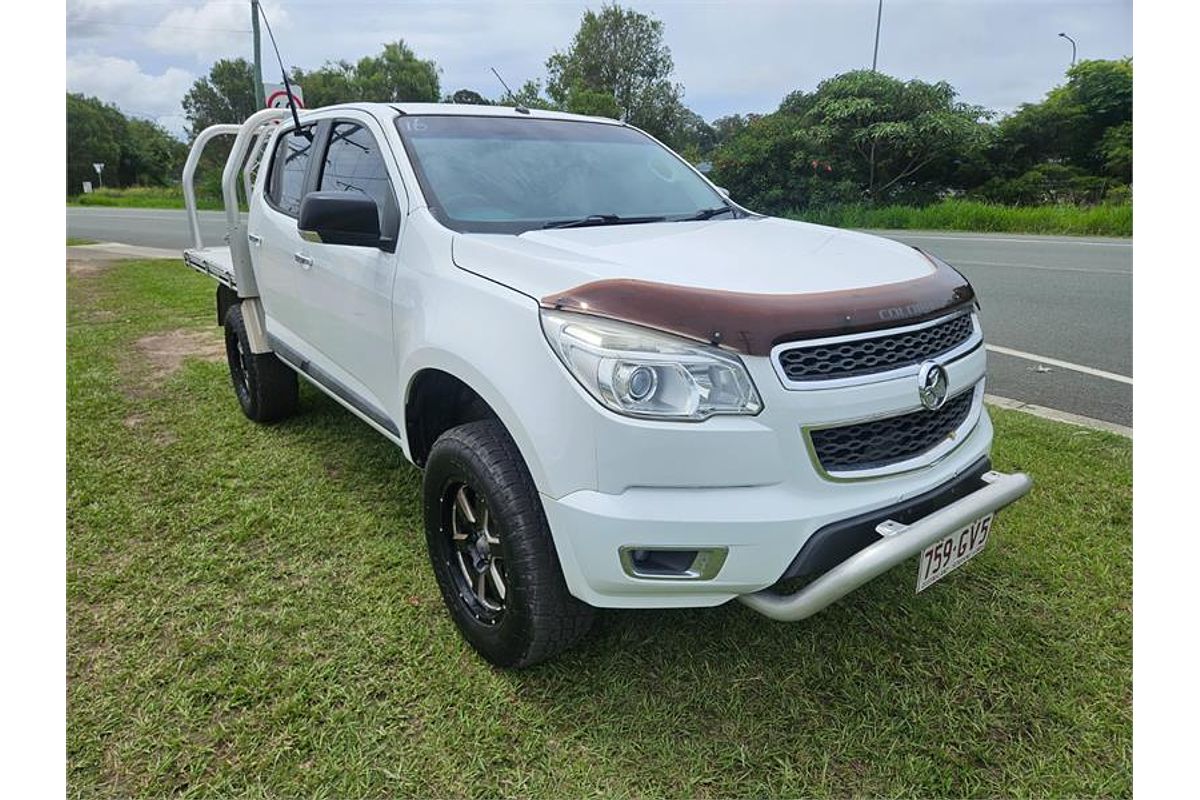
(708, 213)
(600, 219)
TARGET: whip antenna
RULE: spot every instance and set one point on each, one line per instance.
(287, 86)
(511, 96)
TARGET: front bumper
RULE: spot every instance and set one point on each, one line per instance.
(899, 543)
(760, 529)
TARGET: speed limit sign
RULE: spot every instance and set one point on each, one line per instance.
(277, 96)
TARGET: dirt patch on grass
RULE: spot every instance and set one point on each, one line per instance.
(164, 353)
(86, 267)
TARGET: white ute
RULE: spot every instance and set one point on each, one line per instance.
(625, 390)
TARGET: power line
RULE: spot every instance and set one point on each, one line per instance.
(85, 22)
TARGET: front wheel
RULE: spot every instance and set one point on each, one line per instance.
(491, 550)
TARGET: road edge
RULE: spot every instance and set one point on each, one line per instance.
(1059, 416)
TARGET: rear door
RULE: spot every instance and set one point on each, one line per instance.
(284, 276)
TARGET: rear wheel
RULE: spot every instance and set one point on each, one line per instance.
(266, 388)
(491, 550)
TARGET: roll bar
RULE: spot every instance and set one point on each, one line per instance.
(251, 138)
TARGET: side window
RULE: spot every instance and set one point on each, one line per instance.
(288, 166)
(353, 163)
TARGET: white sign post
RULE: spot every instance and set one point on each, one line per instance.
(87, 187)
(99, 172)
(277, 96)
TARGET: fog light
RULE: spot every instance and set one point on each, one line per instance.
(673, 563)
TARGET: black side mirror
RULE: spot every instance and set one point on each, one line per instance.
(340, 218)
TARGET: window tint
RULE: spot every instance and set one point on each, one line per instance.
(353, 163)
(292, 153)
(509, 175)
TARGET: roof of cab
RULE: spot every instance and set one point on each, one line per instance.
(462, 110)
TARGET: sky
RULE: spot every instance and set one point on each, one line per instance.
(732, 56)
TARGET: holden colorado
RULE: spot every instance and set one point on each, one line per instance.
(624, 389)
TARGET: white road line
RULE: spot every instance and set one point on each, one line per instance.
(1060, 416)
(1124, 272)
(903, 235)
(1098, 373)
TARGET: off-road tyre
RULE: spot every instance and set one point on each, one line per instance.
(539, 617)
(266, 388)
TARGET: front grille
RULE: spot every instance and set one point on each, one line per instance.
(876, 354)
(883, 442)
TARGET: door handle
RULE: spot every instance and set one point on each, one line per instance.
(254, 239)
(302, 260)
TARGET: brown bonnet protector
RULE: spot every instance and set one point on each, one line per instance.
(754, 323)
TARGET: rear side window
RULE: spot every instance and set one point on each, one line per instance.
(353, 163)
(288, 167)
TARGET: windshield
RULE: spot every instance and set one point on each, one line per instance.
(510, 175)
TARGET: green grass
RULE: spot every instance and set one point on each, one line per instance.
(74, 241)
(250, 613)
(143, 197)
(969, 215)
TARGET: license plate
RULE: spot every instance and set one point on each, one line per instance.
(946, 555)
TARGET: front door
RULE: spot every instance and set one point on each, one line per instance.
(353, 324)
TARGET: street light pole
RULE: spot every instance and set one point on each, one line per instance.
(1072, 41)
(878, 20)
(258, 84)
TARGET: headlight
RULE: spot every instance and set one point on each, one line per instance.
(643, 373)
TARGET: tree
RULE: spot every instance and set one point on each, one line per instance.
(332, 83)
(593, 102)
(1075, 144)
(860, 136)
(396, 75)
(150, 155)
(530, 96)
(468, 97)
(226, 94)
(618, 62)
(135, 152)
(94, 133)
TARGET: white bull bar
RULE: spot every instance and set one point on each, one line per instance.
(899, 543)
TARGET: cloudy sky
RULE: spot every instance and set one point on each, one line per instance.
(732, 56)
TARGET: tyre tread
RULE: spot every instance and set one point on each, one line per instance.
(556, 619)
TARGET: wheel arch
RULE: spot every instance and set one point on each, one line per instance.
(436, 401)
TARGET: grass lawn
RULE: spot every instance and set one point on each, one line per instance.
(251, 614)
(969, 215)
(74, 241)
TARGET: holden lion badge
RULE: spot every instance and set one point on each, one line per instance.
(932, 385)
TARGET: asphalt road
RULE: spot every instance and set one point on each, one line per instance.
(1057, 311)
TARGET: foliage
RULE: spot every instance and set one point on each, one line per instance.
(395, 75)
(1113, 218)
(225, 95)
(618, 65)
(859, 136)
(1087, 124)
(468, 97)
(135, 152)
(581, 99)
(530, 96)
(1047, 183)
